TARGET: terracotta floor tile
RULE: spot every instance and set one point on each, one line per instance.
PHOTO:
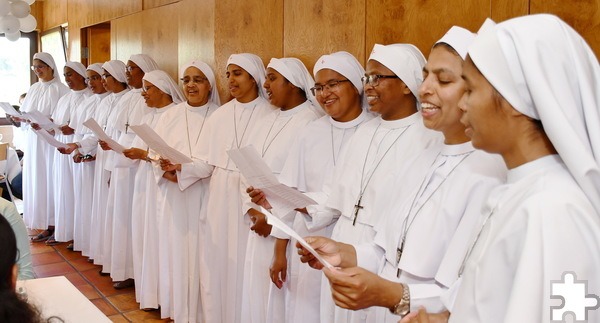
(50, 270)
(104, 306)
(141, 316)
(103, 283)
(124, 302)
(89, 291)
(39, 247)
(82, 264)
(46, 258)
(118, 318)
(76, 279)
(70, 255)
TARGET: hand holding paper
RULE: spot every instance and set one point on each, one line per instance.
(156, 143)
(276, 222)
(97, 130)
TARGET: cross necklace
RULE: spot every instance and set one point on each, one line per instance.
(264, 150)
(239, 141)
(199, 132)
(363, 183)
(407, 225)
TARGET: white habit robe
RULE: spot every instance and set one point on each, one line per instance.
(376, 150)
(63, 169)
(145, 219)
(227, 227)
(105, 110)
(180, 210)
(441, 196)
(540, 226)
(117, 244)
(38, 209)
(83, 174)
(272, 139)
(311, 160)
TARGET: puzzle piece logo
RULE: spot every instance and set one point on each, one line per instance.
(574, 296)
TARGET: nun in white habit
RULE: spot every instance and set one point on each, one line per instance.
(83, 171)
(130, 110)
(286, 82)
(227, 227)
(311, 159)
(113, 74)
(161, 94)
(543, 225)
(182, 196)
(63, 170)
(37, 165)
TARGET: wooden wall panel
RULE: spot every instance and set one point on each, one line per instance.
(80, 13)
(148, 4)
(126, 36)
(582, 15)
(314, 27)
(506, 9)
(159, 36)
(254, 26)
(105, 10)
(419, 22)
(55, 13)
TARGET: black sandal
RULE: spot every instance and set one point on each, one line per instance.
(43, 236)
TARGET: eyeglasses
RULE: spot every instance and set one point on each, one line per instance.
(38, 67)
(130, 68)
(373, 80)
(196, 80)
(145, 89)
(329, 86)
(93, 78)
(105, 76)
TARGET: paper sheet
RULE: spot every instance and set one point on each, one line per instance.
(50, 139)
(156, 143)
(43, 121)
(97, 130)
(276, 222)
(9, 109)
(259, 175)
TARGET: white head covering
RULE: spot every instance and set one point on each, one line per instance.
(77, 67)
(117, 69)
(210, 75)
(458, 38)
(145, 62)
(546, 71)
(294, 71)
(96, 67)
(405, 60)
(345, 64)
(254, 66)
(49, 60)
(165, 83)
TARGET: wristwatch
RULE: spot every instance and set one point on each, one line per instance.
(403, 307)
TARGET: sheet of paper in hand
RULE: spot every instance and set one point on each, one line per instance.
(157, 144)
(276, 222)
(97, 130)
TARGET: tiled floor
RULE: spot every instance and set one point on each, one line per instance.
(118, 305)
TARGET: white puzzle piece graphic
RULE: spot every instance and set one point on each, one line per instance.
(574, 296)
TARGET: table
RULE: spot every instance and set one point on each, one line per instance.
(56, 296)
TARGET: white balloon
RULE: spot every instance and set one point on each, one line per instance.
(9, 24)
(20, 9)
(13, 36)
(4, 7)
(28, 24)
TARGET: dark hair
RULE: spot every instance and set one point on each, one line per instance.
(448, 47)
(12, 307)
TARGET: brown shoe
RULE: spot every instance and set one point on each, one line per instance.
(124, 284)
(43, 236)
